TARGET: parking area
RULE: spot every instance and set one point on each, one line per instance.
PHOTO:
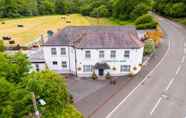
(81, 88)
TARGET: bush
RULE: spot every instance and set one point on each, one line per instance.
(108, 76)
(145, 22)
(94, 76)
(149, 47)
(71, 112)
(151, 25)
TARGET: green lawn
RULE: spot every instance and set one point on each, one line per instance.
(34, 27)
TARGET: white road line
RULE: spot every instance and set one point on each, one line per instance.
(178, 70)
(124, 100)
(184, 45)
(183, 59)
(156, 105)
(170, 83)
(184, 50)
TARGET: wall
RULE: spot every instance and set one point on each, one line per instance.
(135, 59)
(69, 58)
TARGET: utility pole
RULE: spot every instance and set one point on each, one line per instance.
(37, 115)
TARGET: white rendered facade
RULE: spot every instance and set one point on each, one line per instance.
(75, 61)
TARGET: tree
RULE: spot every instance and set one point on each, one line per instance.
(123, 8)
(14, 67)
(15, 102)
(171, 8)
(46, 7)
(101, 11)
(149, 47)
(52, 88)
(2, 48)
(139, 10)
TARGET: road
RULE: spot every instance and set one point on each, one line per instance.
(162, 94)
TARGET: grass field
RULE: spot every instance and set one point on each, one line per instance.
(34, 27)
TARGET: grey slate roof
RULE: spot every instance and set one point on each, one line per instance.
(114, 37)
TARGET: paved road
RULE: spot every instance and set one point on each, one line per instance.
(162, 94)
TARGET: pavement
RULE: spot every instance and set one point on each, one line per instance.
(161, 94)
(103, 102)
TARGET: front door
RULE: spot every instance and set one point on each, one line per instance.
(101, 72)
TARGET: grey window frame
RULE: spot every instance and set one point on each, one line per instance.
(53, 51)
(113, 53)
(125, 68)
(64, 63)
(127, 53)
(88, 54)
(63, 51)
(87, 68)
(101, 54)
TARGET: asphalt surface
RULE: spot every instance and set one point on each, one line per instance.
(162, 94)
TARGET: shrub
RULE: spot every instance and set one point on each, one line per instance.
(94, 76)
(145, 21)
(108, 76)
(149, 47)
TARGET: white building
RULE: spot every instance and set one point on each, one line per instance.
(82, 50)
(37, 60)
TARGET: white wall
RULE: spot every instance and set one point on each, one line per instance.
(136, 56)
(49, 58)
(134, 60)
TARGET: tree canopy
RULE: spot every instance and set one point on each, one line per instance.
(171, 8)
(17, 85)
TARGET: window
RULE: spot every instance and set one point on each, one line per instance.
(64, 64)
(63, 51)
(113, 54)
(127, 54)
(101, 54)
(37, 67)
(87, 68)
(87, 54)
(54, 62)
(125, 68)
(53, 51)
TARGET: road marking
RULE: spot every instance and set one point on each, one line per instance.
(124, 100)
(156, 105)
(178, 70)
(183, 59)
(184, 50)
(184, 45)
(170, 83)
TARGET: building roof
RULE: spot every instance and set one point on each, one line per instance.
(124, 37)
(36, 56)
